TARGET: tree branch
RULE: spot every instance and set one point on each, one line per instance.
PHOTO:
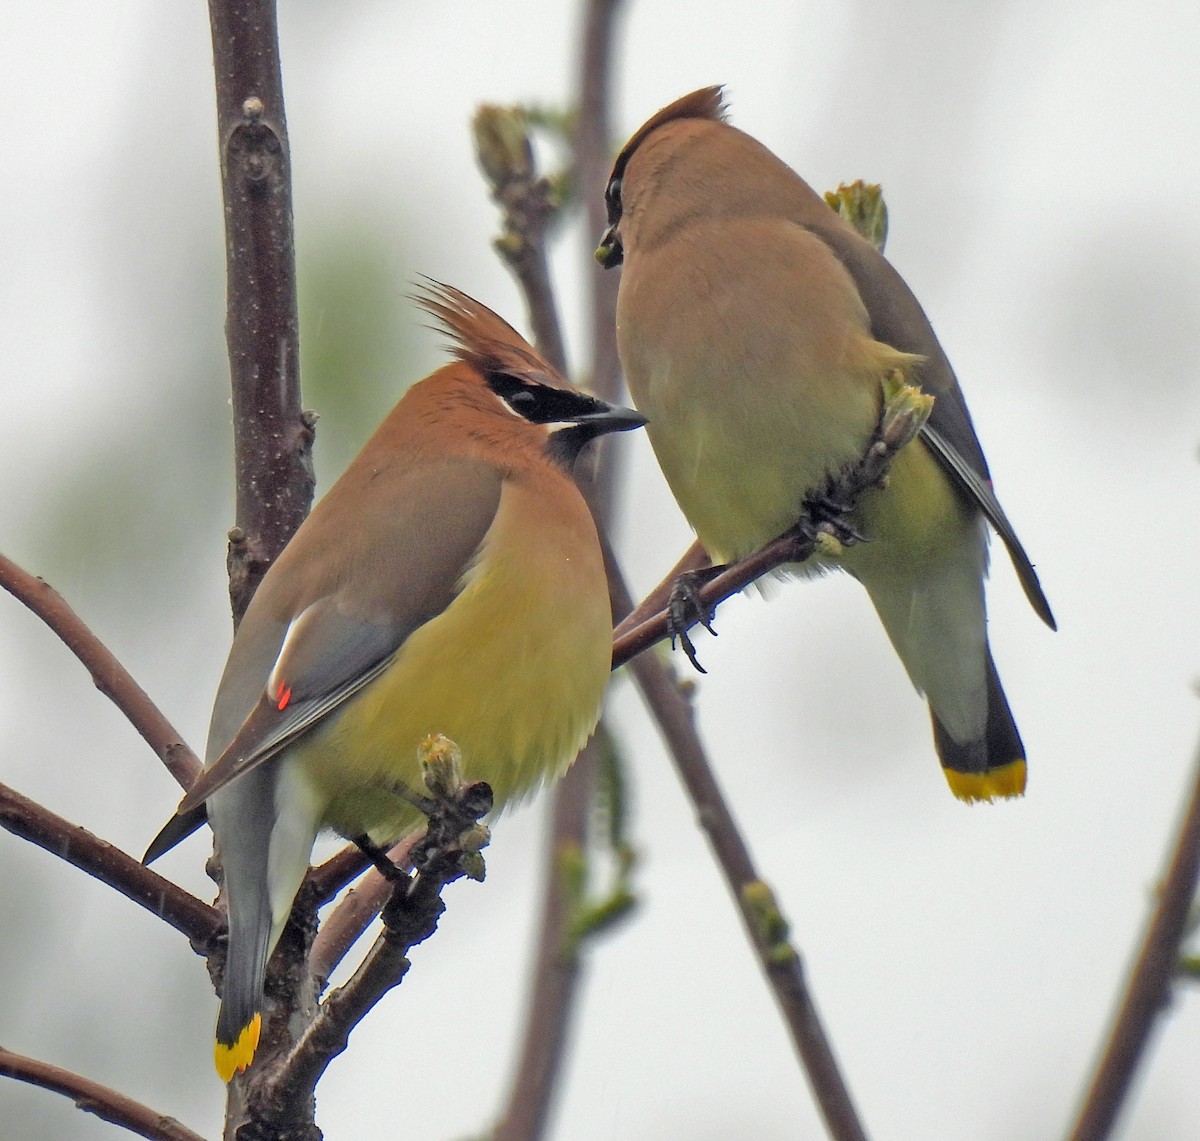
(110, 677)
(363, 902)
(527, 206)
(272, 435)
(780, 962)
(593, 159)
(1148, 989)
(556, 970)
(91, 1097)
(107, 863)
(903, 413)
(449, 850)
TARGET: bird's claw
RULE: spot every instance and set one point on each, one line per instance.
(829, 516)
(685, 609)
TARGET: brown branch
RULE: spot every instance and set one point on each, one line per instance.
(1148, 990)
(91, 1097)
(556, 974)
(903, 413)
(449, 850)
(335, 873)
(110, 677)
(527, 204)
(363, 902)
(780, 963)
(272, 435)
(648, 622)
(654, 607)
(107, 863)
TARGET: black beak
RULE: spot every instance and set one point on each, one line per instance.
(610, 252)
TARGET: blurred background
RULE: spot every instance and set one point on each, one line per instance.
(1040, 162)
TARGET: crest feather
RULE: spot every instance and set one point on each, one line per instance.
(481, 338)
(706, 103)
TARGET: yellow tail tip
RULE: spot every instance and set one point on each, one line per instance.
(1002, 782)
(234, 1058)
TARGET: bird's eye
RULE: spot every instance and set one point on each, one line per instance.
(522, 401)
(612, 199)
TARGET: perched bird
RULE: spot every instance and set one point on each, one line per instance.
(449, 582)
(755, 327)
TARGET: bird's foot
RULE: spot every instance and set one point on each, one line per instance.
(379, 858)
(685, 610)
(827, 526)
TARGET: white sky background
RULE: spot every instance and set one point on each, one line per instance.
(1040, 161)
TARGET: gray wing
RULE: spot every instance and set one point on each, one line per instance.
(357, 593)
(897, 319)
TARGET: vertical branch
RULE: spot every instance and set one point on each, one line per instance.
(272, 436)
(1149, 985)
(528, 204)
(556, 970)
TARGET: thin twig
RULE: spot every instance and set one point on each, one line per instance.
(556, 971)
(527, 204)
(904, 410)
(345, 925)
(326, 880)
(92, 1097)
(1149, 987)
(593, 158)
(111, 678)
(648, 622)
(107, 863)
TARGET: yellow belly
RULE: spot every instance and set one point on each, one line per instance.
(513, 671)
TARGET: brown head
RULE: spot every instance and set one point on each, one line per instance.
(502, 386)
(687, 162)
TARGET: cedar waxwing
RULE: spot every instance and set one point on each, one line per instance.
(450, 582)
(755, 327)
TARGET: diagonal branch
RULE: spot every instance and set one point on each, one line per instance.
(363, 902)
(107, 863)
(766, 929)
(903, 412)
(1148, 989)
(555, 974)
(92, 1097)
(111, 678)
(449, 850)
